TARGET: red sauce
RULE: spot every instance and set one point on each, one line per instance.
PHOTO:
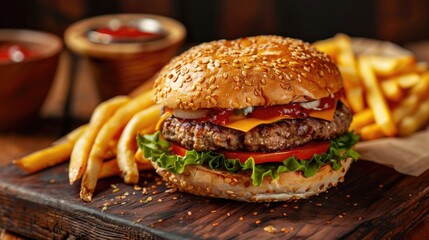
(14, 53)
(127, 32)
(294, 110)
(223, 116)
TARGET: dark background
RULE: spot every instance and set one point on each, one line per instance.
(400, 21)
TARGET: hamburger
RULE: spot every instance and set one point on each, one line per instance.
(255, 119)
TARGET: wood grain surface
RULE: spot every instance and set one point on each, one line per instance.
(374, 202)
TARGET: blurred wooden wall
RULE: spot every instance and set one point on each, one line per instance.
(400, 21)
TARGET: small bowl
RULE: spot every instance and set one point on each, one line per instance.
(25, 82)
(121, 64)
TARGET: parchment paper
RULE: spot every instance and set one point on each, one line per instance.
(407, 155)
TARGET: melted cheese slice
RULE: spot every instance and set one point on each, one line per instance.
(246, 124)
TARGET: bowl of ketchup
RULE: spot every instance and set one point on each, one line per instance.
(124, 50)
(28, 63)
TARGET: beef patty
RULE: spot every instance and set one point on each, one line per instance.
(281, 135)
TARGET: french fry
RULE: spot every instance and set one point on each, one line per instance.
(353, 89)
(82, 148)
(405, 108)
(50, 156)
(375, 99)
(391, 90)
(407, 80)
(144, 121)
(370, 132)
(347, 60)
(421, 89)
(111, 128)
(328, 46)
(419, 119)
(389, 65)
(362, 119)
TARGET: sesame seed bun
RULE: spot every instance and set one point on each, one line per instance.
(203, 181)
(253, 71)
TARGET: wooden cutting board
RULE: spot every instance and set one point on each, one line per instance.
(374, 202)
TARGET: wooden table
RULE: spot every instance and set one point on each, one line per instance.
(374, 202)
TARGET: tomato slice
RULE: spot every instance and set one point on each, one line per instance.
(303, 153)
(178, 150)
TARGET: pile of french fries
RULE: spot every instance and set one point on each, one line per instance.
(387, 91)
(104, 147)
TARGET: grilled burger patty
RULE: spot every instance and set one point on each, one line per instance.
(282, 135)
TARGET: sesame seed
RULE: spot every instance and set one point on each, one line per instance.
(189, 213)
(215, 224)
(270, 229)
(257, 222)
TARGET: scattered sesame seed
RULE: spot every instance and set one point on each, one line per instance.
(215, 224)
(257, 222)
(189, 213)
(270, 229)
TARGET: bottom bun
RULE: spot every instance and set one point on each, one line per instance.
(203, 181)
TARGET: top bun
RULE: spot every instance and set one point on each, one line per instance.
(253, 71)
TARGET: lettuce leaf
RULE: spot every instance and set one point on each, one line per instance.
(158, 150)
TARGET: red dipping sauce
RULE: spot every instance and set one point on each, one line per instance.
(14, 53)
(127, 32)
